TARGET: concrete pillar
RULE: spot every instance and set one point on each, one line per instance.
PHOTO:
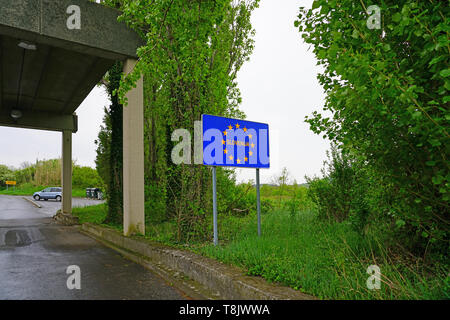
(133, 157)
(66, 171)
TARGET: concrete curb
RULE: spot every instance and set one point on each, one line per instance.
(32, 202)
(66, 218)
(207, 277)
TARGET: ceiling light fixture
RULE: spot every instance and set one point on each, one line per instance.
(27, 46)
(16, 114)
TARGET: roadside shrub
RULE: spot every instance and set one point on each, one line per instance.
(332, 194)
(350, 191)
(267, 206)
(155, 199)
(387, 93)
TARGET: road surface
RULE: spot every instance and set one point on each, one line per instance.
(35, 254)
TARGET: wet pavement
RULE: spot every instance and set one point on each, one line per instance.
(35, 254)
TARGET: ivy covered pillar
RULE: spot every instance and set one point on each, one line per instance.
(133, 157)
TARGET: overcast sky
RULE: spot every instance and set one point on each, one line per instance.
(278, 87)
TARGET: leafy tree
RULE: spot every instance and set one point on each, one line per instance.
(192, 53)
(85, 177)
(5, 174)
(387, 90)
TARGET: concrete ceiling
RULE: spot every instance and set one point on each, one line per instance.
(48, 79)
(48, 83)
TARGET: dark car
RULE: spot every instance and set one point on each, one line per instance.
(49, 193)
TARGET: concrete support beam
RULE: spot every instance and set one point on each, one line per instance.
(133, 157)
(48, 22)
(41, 120)
(66, 172)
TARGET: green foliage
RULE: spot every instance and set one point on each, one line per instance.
(85, 177)
(154, 204)
(190, 59)
(387, 91)
(281, 180)
(325, 259)
(103, 143)
(299, 201)
(24, 189)
(26, 174)
(333, 193)
(267, 206)
(234, 199)
(109, 148)
(350, 191)
(27, 189)
(46, 173)
(6, 174)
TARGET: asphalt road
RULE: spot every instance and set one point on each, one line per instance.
(35, 254)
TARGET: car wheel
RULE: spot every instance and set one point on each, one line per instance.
(58, 198)
(37, 198)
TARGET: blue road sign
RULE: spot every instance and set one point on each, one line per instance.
(235, 143)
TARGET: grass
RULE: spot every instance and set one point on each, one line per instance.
(327, 260)
(29, 189)
(94, 214)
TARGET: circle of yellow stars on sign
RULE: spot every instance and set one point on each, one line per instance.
(225, 151)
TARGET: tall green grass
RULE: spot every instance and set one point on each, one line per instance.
(94, 214)
(327, 260)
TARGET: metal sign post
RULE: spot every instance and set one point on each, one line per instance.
(216, 238)
(12, 183)
(234, 143)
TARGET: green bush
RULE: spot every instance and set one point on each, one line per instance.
(85, 177)
(387, 91)
(324, 258)
(350, 191)
(6, 174)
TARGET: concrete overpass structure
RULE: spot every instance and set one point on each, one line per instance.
(52, 54)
